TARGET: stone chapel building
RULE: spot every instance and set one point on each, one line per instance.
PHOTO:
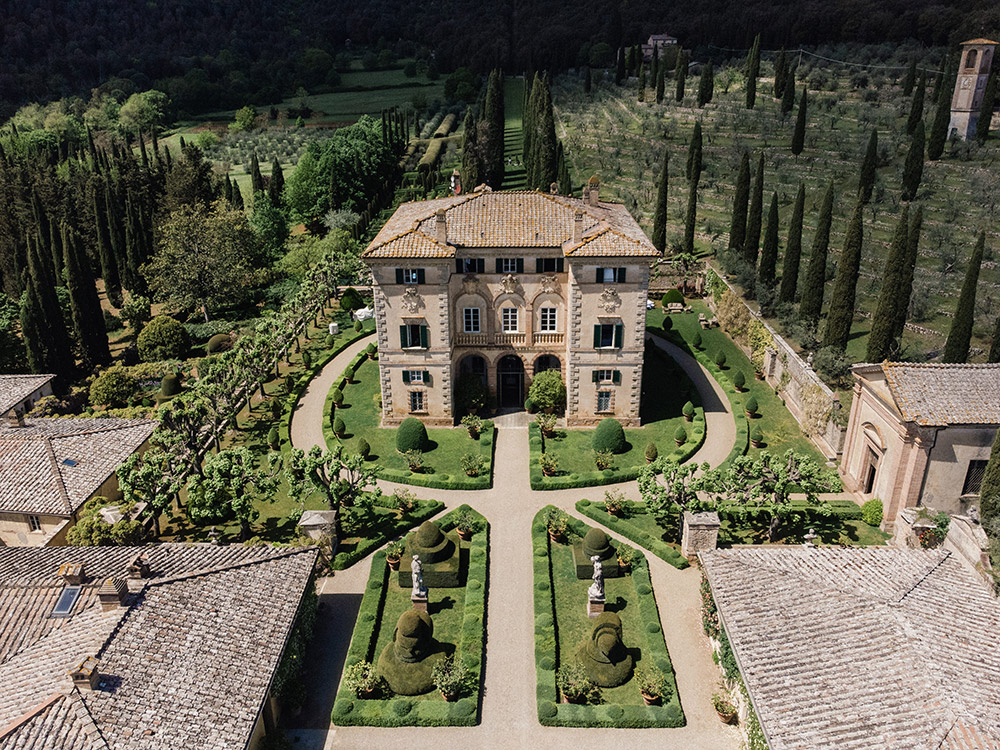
(502, 286)
(970, 86)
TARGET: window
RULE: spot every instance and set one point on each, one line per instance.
(548, 265)
(470, 265)
(470, 319)
(970, 63)
(416, 377)
(410, 276)
(34, 523)
(603, 401)
(608, 335)
(508, 320)
(548, 319)
(510, 265)
(417, 401)
(607, 376)
(413, 336)
(66, 601)
(974, 477)
(610, 276)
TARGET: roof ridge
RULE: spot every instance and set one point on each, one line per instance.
(60, 483)
(87, 718)
(944, 556)
(31, 713)
(279, 554)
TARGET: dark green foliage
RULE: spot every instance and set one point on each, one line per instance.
(793, 250)
(163, 338)
(720, 358)
(994, 355)
(542, 162)
(470, 154)
(986, 109)
(42, 324)
(916, 105)
(667, 323)
(812, 290)
(903, 299)
(276, 185)
(696, 340)
(273, 438)
(276, 408)
(942, 118)
(219, 342)
(609, 669)
(289, 383)
(660, 215)
(256, 178)
(337, 396)
(989, 491)
(105, 249)
(769, 255)
(910, 78)
(841, 314)
(339, 428)
(690, 216)
(306, 359)
(871, 512)
(752, 72)
(330, 340)
(85, 306)
(470, 392)
(956, 348)
(359, 326)
(642, 84)
(866, 179)
(660, 85)
(673, 297)
(706, 85)
(881, 338)
(609, 436)
(547, 391)
(757, 435)
(751, 244)
(799, 135)
(620, 69)
(170, 385)
(751, 405)
(411, 436)
(738, 223)
(788, 96)
(688, 409)
(680, 75)
(739, 380)
(351, 300)
(692, 170)
(651, 452)
(780, 73)
(363, 448)
(913, 167)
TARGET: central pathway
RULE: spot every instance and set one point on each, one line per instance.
(509, 718)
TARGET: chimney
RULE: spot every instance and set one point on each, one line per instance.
(595, 190)
(578, 227)
(554, 188)
(85, 674)
(441, 227)
(72, 573)
(15, 418)
(139, 567)
(112, 594)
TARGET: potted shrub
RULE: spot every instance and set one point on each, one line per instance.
(614, 502)
(338, 396)
(604, 460)
(473, 464)
(549, 464)
(556, 522)
(750, 407)
(651, 453)
(415, 460)
(370, 351)
(757, 437)
(362, 680)
(680, 435)
(739, 380)
(626, 558)
(452, 678)
(720, 360)
(652, 685)
(546, 423)
(393, 553)
(688, 411)
(339, 428)
(363, 448)
(466, 524)
(724, 708)
(405, 500)
(474, 424)
(696, 340)
(576, 686)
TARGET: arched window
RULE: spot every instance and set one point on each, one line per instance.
(970, 59)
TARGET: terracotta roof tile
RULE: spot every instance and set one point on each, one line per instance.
(14, 389)
(940, 394)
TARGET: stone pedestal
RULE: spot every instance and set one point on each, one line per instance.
(701, 532)
(594, 607)
(419, 603)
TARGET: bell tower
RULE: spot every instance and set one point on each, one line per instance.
(973, 70)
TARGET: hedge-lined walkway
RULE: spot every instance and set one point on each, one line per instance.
(509, 715)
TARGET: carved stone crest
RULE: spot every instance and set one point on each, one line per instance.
(550, 284)
(470, 283)
(509, 284)
(411, 300)
(610, 300)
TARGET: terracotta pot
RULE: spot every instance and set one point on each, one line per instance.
(465, 535)
(548, 473)
(750, 414)
(756, 443)
(393, 562)
(758, 374)
(689, 418)
(625, 569)
(450, 697)
(650, 700)
(726, 717)
(556, 536)
(679, 442)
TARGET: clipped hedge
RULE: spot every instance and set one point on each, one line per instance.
(389, 528)
(551, 713)
(394, 711)
(629, 530)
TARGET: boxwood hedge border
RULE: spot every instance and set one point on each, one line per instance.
(422, 511)
(622, 525)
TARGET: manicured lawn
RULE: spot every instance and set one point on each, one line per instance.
(442, 463)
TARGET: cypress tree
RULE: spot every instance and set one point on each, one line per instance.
(630, 60)
(906, 288)
(751, 244)
(913, 167)
(35, 332)
(565, 183)
(706, 84)
(841, 314)
(620, 68)
(237, 197)
(587, 80)
(85, 306)
(793, 250)
(642, 83)
(526, 121)
(799, 136)
(812, 290)
(681, 73)
(994, 355)
(909, 78)
(470, 155)
(916, 105)
(543, 160)
(44, 230)
(692, 170)
(654, 68)
(780, 72)
(788, 97)
(689, 217)
(636, 59)
(738, 223)
(660, 216)
(989, 490)
(769, 254)
(956, 348)
(752, 72)
(942, 118)
(660, 86)
(58, 261)
(866, 178)
(880, 340)
(276, 187)
(57, 353)
(105, 250)
(256, 179)
(986, 110)
(227, 190)
(492, 147)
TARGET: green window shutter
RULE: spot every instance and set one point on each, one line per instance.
(499, 265)
(399, 275)
(619, 335)
(423, 336)
(616, 377)
(593, 376)
(559, 265)
(600, 276)
(427, 377)
(403, 339)
(597, 336)
(539, 265)
(420, 276)
(406, 377)
(621, 276)
(520, 265)
(480, 265)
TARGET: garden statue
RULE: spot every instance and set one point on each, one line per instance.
(407, 662)
(416, 573)
(603, 655)
(596, 590)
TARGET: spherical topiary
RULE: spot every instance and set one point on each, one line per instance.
(696, 340)
(680, 435)
(163, 338)
(739, 380)
(272, 438)
(642, 589)
(609, 436)
(113, 387)
(651, 452)
(547, 663)
(652, 627)
(596, 542)
(411, 436)
(673, 297)
(170, 385)
(339, 428)
(871, 512)
(363, 448)
(751, 405)
(720, 359)
(218, 343)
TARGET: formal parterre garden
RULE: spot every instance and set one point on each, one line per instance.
(448, 659)
(593, 671)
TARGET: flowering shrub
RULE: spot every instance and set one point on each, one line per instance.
(709, 614)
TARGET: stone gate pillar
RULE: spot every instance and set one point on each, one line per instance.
(701, 532)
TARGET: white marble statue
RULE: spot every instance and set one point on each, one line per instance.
(417, 574)
(596, 590)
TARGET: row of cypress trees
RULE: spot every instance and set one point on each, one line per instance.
(483, 141)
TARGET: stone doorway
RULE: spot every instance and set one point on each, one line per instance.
(510, 376)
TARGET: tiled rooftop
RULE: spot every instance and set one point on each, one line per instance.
(940, 394)
(14, 389)
(510, 219)
(186, 663)
(862, 648)
(53, 466)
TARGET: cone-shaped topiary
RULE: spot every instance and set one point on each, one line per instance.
(363, 448)
(688, 411)
(680, 435)
(359, 326)
(696, 340)
(757, 437)
(338, 396)
(339, 428)
(651, 452)
(330, 341)
(668, 323)
(720, 359)
(289, 383)
(370, 351)
(751, 405)
(272, 438)
(411, 436)
(276, 408)
(306, 359)
(739, 380)
(609, 436)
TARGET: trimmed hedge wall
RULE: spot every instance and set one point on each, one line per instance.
(399, 711)
(630, 531)
(551, 713)
(424, 510)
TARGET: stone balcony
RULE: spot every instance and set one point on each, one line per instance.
(517, 340)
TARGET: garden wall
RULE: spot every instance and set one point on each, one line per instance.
(808, 399)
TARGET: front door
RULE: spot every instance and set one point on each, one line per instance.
(511, 376)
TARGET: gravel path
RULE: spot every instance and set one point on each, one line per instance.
(509, 717)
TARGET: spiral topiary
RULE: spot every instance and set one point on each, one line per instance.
(609, 436)
(411, 436)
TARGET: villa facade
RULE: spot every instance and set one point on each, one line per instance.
(502, 286)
